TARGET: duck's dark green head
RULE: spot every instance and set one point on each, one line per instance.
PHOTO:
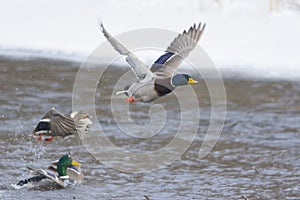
(182, 79)
(65, 162)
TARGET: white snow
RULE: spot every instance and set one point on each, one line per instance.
(240, 35)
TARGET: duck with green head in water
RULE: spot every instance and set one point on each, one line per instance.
(61, 173)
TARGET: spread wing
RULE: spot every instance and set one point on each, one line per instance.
(177, 51)
(55, 124)
(138, 67)
(61, 125)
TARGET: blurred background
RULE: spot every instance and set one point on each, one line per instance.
(254, 37)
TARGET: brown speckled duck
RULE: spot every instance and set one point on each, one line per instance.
(160, 79)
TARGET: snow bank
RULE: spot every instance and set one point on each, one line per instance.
(240, 35)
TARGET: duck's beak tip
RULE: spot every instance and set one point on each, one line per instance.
(192, 81)
(75, 163)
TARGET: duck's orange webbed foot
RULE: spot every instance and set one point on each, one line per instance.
(49, 139)
(130, 100)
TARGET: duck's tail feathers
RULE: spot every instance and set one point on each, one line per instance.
(122, 92)
(125, 91)
(28, 183)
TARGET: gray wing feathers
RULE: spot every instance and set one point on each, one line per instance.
(62, 125)
(182, 45)
(117, 45)
(137, 66)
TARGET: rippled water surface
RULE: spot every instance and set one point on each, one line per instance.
(256, 157)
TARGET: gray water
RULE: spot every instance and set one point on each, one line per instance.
(256, 157)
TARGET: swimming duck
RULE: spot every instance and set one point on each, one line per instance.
(61, 173)
(56, 124)
(160, 79)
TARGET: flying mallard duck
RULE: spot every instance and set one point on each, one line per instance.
(61, 173)
(56, 124)
(159, 80)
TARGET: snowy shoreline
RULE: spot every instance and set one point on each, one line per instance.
(241, 36)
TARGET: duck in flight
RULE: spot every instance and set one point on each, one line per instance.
(55, 124)
(160, 79)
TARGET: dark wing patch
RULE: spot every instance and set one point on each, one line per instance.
(180, 48)
(43, 126)
(160, 61)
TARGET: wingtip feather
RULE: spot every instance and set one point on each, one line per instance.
(100, 25)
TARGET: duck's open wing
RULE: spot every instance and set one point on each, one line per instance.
(62, 125)
(138, 67)
(55, 124)
(177, 51)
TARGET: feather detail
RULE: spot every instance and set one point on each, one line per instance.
(57, 124)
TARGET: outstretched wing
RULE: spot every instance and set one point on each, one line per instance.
(138, 67)
(55, 124)
(177, 51)
(61, 125)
